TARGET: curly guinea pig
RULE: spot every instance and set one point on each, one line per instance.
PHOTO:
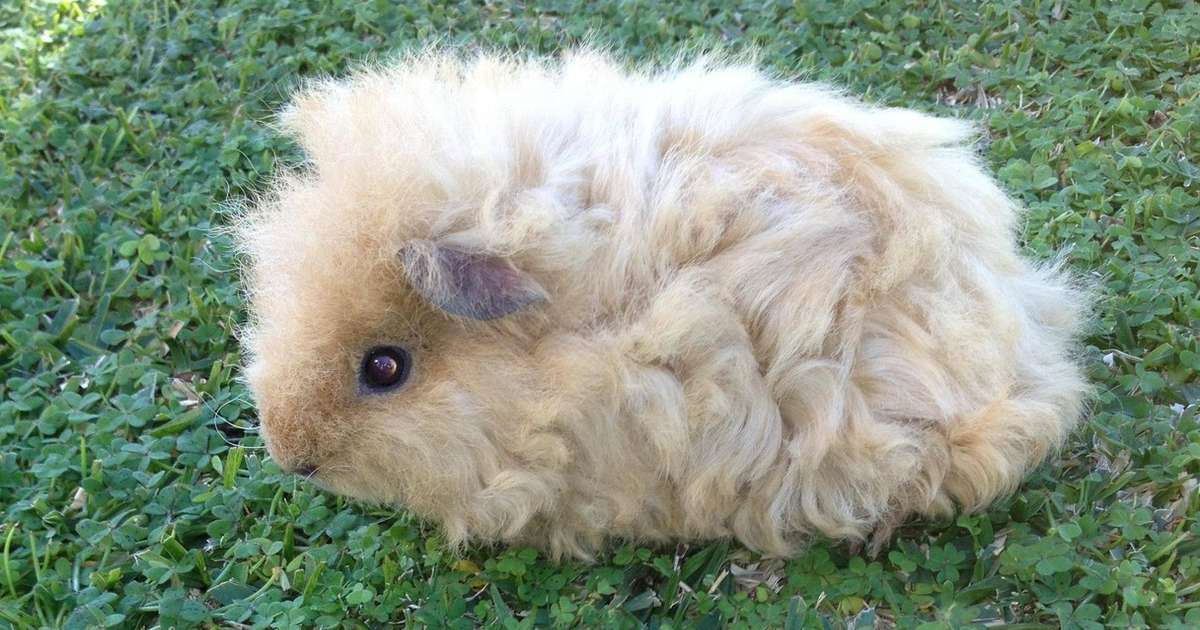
(553, 302)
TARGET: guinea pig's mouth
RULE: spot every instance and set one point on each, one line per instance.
(305, 470)
(319, 477)
(327, 478)
(309, 472)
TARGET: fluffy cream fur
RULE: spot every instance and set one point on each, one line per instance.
(768, 310)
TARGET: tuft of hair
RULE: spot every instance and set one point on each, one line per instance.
(675, 302)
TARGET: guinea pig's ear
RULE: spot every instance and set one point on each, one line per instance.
(468, 284)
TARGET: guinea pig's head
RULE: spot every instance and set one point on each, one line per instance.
(388, 342)
(385, 371)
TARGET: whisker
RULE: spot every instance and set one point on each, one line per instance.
(219, 421)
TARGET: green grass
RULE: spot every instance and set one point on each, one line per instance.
(127, 499)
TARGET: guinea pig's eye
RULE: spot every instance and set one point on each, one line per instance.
(385, 368)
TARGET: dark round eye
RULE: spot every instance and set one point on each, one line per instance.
(385, 368)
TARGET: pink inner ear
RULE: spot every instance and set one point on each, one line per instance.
(468, 284)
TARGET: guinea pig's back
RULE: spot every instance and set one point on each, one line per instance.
(868, 245)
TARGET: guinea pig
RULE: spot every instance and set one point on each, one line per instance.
(554, 302)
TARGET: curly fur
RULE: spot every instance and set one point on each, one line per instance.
(770, 310)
